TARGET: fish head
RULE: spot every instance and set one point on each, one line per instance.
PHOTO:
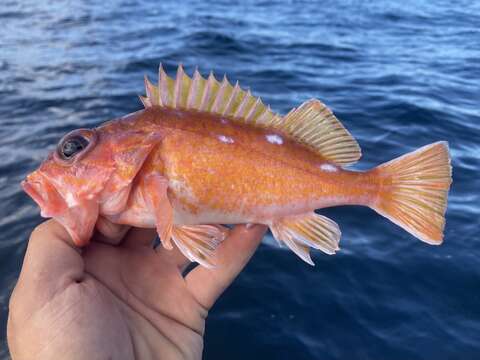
(67, 184)
(88, 168)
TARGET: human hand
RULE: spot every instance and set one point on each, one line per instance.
(117, 298)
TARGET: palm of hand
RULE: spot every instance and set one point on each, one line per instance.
(119, 302)
(147, 299)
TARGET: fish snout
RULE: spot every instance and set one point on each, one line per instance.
(44, 194)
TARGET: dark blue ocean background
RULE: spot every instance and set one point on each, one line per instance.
(399, 74)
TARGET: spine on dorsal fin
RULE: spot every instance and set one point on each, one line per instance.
(165, 88)
(177, 90)
(195, 91)
(209, 93)
(219, 101)
(231, 99)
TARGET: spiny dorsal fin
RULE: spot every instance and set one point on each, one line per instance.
(208, 95)
(312, 124)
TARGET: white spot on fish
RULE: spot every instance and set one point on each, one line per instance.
(224, 121)
(183, 191)
(274, 139)
(328, 167)
(226, 139)
(70, 199)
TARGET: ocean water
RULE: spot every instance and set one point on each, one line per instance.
(398, 74)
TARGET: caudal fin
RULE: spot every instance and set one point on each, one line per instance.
(414, 189)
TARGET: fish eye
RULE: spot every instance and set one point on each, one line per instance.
(74, 145)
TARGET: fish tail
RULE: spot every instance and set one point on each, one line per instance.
(413, 191)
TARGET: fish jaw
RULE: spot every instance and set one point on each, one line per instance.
(44, 193)
(79, 221)
(77, 216)
(70, 195)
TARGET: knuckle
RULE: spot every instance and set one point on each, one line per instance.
(39, 230)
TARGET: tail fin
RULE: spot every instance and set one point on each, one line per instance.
(414, 189)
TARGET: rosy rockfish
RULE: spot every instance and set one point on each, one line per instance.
(204, 153)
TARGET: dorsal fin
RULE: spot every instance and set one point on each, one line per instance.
(312, 124)
(208, 95)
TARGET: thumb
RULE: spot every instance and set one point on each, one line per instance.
(51, 263)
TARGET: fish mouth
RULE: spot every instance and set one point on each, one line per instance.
(44, 194)
(30, 189)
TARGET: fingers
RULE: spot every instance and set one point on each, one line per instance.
(174, 256)
(108, 232)
(51, 263)
(144, 237)
(231, 257)
(139, 237)
(136, 237)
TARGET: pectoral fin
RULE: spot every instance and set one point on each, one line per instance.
(155, 194)
(197, 242)
(300, 232)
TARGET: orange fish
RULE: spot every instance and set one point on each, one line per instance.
(204, 153)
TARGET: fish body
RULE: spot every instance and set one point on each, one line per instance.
(222, 172)
(204, 153)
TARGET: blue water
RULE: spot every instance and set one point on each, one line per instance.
(399, 74)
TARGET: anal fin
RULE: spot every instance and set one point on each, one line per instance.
(300, 232)
(198, 242)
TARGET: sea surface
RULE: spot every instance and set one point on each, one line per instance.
(399, 74)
